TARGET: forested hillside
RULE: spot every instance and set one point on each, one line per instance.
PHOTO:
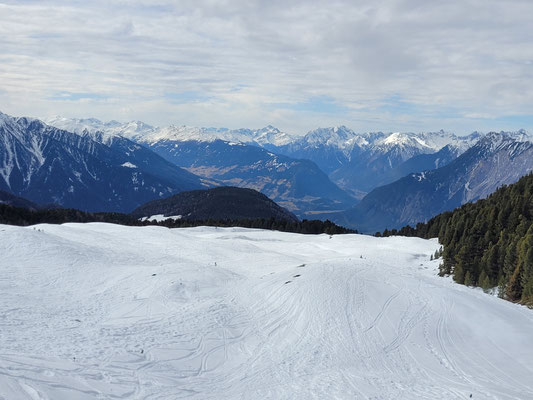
(221, 203)
(488, 243)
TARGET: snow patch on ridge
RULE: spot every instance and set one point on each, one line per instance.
(160, 217)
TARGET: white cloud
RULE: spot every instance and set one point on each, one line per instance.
(394, 64)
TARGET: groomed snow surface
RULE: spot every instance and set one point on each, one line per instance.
(99, 311)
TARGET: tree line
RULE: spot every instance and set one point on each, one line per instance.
(305, 226)
(24, 217)
(488, 243)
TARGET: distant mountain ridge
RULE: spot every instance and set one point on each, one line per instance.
(497, 159)
(231, 157)
(48, 165)
(356, 162)
(360, 162)
(340, 137)
(141, 132)
(329, 169)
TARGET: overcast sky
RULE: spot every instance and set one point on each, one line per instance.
(410, 65)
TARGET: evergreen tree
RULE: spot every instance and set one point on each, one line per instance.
(459, 274)
(514, 288)
(484, 281)
(468, 279)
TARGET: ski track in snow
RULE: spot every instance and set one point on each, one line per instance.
(99, 311)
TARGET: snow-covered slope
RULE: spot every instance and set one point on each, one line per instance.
(104, 311)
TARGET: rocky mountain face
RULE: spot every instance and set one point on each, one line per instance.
(497, 159)
(222, 203)
(418, 163)
(49, 165)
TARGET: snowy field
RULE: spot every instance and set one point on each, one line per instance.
(99, 311)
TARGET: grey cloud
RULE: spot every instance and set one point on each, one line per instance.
(474, 56)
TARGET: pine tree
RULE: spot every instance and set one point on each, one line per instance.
(468, 279)
(464, 263)
(484, 281)
(492, 264)
(509, 263)
(514, 288)
(526, 260)
(459, 274)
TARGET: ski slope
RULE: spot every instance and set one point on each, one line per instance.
(100, 311)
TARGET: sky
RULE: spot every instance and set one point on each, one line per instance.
(390, 65)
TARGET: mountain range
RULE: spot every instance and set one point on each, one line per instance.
(367, 181)
(495, 160)
(360, 162)
(49, 165)
(236, 158)
(356, 162)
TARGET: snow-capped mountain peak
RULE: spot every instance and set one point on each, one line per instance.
(52, 165)
(337, 136)
(102, 131)
(4, 119)
(403, 140)
(142, 132)
(271, 135)
(514, 142)
(3, 116)
(521, 135)
(173, 132)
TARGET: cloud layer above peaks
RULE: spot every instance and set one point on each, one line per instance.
(388, 65)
